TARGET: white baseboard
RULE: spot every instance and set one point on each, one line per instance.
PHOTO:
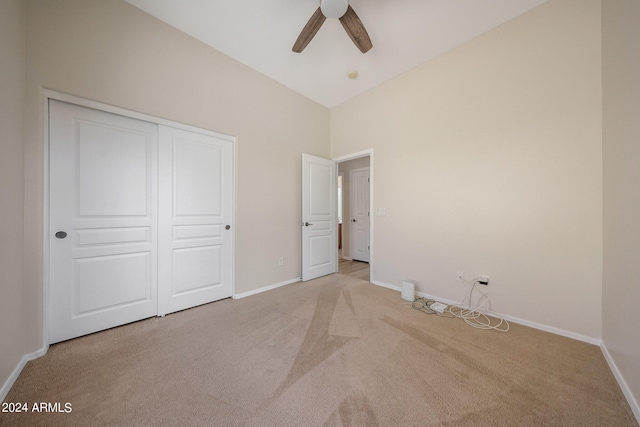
(553, 330)
(266, 288)
(18, 369)
(633, 402)
(386, 285)
(513, 319)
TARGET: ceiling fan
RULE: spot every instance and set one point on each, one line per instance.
(339, 9)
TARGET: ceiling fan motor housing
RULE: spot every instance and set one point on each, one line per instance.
(334, 8)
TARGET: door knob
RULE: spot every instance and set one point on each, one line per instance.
(227, 227)
(354, 220)
(61, 234)
(306, 224)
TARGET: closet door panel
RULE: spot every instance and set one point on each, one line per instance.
(103, 220)
(195, 243)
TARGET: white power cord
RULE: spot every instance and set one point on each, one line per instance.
(475, 315)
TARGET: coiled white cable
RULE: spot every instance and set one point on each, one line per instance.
(475, 315)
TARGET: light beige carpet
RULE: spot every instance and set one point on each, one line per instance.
(333, 351)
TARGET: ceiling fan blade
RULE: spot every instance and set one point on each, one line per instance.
(354, 27)
(309, 30)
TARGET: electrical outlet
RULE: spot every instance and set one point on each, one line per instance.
(281, 260)
(483, 280)
(460, 275)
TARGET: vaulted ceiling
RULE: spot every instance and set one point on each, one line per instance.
(405, 33)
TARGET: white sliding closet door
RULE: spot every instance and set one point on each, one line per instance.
(103, 220)
(195, 219)
(140, 219)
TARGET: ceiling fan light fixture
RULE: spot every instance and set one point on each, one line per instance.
(334, 8)
(348, 18)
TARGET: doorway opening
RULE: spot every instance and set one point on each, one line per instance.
(355, 228)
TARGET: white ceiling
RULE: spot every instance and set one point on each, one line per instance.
(405, 33)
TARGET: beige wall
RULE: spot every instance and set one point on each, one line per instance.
(621, 141)
(111, 52)
(344, 168)
(488, 160)
(12, 86)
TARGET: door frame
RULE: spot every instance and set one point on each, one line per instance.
(48, 94)
(357, 155)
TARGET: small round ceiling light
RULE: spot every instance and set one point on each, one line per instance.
(334, 8)
(353, 74)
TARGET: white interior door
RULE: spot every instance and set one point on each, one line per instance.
(103, 220)
(319, 217)
(196, 213)
(360, 216)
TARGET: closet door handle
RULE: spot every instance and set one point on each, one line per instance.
(61, 234)
(306, 224)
